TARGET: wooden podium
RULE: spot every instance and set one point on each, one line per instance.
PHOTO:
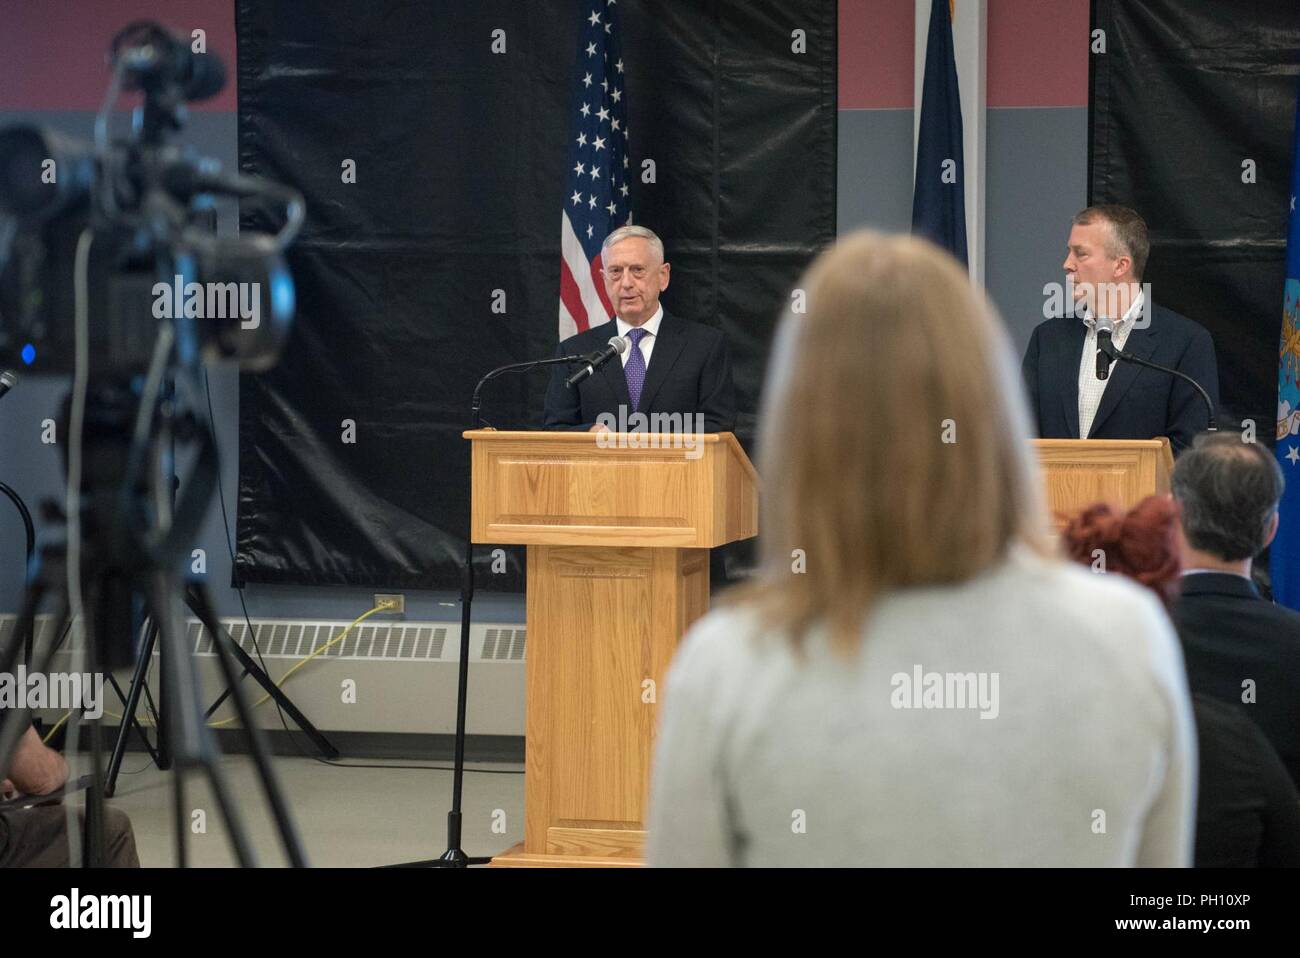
(618, 528)
(1079, 472)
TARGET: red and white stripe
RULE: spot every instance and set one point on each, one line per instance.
(583, 300)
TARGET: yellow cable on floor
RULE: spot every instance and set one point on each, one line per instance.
(284, 678)
(57, 725)
(262, 701)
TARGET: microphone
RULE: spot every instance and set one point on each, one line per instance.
(617, 347)
(1112, 351)
(153, 58)
(1105, 330)
(8, 380)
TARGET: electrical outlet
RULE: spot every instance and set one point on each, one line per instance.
(396, 603)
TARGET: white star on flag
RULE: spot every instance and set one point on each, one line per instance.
(598, 180)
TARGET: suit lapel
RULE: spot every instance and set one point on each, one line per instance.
(668, 346)
(1067, 373)
(1140, 343)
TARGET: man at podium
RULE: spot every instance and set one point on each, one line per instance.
(1073, 394)
(673, 368)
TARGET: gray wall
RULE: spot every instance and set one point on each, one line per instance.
(1036, 179)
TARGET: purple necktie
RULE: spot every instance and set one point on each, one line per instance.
(634, 371)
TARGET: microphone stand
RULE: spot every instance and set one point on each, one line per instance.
(1114, 352)
(454, 856)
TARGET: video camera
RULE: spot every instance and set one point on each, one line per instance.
(134, 211)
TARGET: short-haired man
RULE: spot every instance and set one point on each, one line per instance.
(1238, 646)
(1105, 259)
(673, 367)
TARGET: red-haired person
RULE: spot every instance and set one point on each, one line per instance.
(1248, 812)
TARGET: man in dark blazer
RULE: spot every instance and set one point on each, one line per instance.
(672, 367)
(1239, 647)
(1107, 252)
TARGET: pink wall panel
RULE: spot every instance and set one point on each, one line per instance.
(54, 52)
(876, 54)
(1037, 53)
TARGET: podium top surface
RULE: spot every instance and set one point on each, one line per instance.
(658, 490)
(1079, 472)
(623, 441)
(1104, 443)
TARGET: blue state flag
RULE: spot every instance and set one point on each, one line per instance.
(939, 198)
(1284, 556)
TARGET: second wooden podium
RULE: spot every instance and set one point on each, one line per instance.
(1079, 472)
(618, 529)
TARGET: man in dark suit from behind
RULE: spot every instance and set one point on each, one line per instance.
(674, 367)
(1105, 258)
(1239, 647)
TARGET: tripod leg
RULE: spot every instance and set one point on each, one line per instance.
(93, 846)
(25, 627)
(178, 819)
(234, 824)
(152, 710)
(192, 741)
(135, 722)
(182, 721)
(162, 732)
(197, 599)
(129, 708)
(13, 722)
(256, 736)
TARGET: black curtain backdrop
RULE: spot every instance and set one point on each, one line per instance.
(1185, 92)
(460, 155)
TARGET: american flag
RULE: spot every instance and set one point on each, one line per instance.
(597, 196)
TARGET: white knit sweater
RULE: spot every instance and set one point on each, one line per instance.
(1084, 756)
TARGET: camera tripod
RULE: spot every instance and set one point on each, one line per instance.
(125, 560)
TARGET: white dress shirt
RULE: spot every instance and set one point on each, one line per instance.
(647, 344)
(1091, 389)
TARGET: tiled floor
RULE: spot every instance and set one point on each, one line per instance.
(346, 816)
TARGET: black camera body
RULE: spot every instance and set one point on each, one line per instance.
(136, 211)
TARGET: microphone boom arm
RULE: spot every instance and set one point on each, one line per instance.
(477, 403)
(1114, 352)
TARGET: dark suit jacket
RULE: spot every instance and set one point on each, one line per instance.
(1247, 808)
(1229, 635)
(689, 373)
(1138, 403)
